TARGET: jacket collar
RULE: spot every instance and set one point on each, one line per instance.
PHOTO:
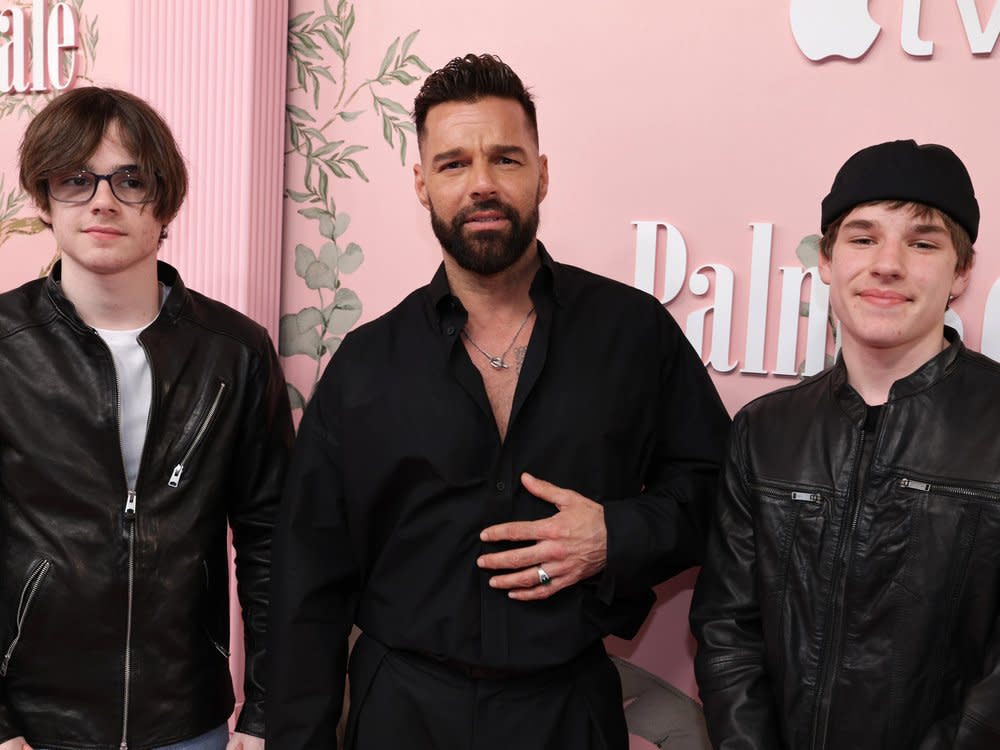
(932, 371)
(166, 274)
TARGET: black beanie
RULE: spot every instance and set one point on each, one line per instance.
(903, 171)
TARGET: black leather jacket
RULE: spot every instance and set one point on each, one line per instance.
(851, 597)
(113, 604)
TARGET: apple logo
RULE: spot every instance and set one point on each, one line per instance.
(828, 28)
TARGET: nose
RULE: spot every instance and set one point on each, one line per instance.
(483, 185)
(888, 260)
(104, 198)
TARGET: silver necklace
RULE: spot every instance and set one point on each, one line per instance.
(497, 363)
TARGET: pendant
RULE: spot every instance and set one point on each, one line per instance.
(497, 363)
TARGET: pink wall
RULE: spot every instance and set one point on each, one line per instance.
(703, 115)
(706, 116)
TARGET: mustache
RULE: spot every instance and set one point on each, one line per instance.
(488, 205)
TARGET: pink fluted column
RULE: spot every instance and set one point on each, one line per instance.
(216, 71)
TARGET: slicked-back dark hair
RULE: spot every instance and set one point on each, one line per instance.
(469, 79)
(72, 126)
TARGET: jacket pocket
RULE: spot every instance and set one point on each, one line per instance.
(28, 593)
(947, 569)
(204, 424)
(780, 509)
(943, 521)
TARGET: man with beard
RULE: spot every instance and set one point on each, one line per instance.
(491, 477)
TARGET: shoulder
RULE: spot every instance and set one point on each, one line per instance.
(803, 396)
(25, 307)
(214, 318)
(580, 286)
(600, 303)
(980, 364)
(369, 336)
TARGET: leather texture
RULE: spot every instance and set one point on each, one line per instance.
(851, 594)
(219, 409)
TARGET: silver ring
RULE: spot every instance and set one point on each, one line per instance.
(543, 578)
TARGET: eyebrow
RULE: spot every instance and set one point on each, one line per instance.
(499, 150)
(865, 225)
(929, 229)
(115, 168)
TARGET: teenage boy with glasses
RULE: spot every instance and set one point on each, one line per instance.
(137, 420)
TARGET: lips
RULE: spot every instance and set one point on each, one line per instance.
(103, 231)
(488, 214)
(883, 297)
(485, 217)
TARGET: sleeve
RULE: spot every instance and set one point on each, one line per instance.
(976, 726)
(264, 448)
(662, 531)
(8, 727)
(315, 585)
(739, 704)
(979, 728)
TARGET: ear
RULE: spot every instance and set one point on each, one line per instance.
(960, 282)
(824, 267)
(46, 217)
(543, 177)
(420, 186)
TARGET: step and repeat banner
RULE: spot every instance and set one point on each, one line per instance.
(689, 147)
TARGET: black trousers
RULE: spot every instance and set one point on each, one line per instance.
(401, 699)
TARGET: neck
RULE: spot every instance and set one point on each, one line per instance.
(499, 297)
(872, 372)
(125, 300)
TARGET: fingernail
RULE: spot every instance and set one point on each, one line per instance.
(493, 583)
(479, 562)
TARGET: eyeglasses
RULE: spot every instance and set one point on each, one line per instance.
(80, 185)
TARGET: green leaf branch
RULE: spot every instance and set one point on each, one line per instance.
(318, 43)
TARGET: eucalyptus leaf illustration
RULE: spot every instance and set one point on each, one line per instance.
(808, 251)
(298, 333)
(808, 254)
(324, 148)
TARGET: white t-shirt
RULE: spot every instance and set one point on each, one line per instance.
(135, 391)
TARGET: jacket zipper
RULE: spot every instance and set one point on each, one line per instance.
(831, 654)
(131, 499)
(208, 632)
(785, 492)
(27, 596)
(919, 486)
(130, 504)
(175, 476)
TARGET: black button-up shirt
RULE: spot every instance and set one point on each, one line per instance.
(399, 466)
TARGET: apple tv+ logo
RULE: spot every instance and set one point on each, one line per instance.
(844, 28)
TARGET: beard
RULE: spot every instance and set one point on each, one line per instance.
(486, 253)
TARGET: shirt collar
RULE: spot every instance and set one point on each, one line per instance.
(546, 285)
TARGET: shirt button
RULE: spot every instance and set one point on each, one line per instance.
(450, 330)
(500, 486)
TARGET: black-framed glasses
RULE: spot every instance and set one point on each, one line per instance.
(80, 185)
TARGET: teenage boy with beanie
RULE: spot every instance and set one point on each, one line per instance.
(851, 592)
(137, 417)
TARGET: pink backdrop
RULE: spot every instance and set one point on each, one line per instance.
(706, 116)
